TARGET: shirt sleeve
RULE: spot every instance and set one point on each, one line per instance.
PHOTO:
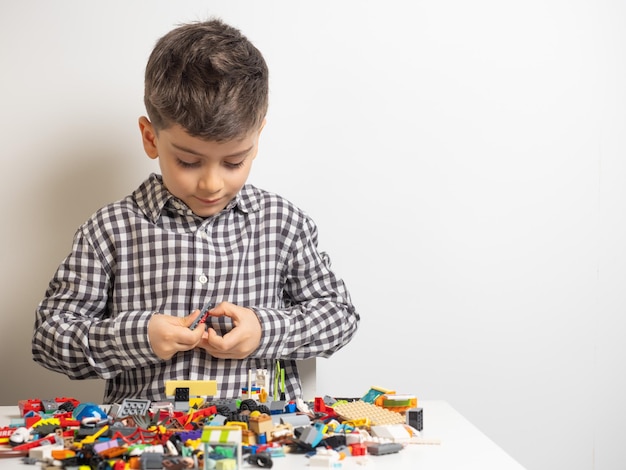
(75, 334)
(319, 318)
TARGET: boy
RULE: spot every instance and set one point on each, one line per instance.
(122, 304)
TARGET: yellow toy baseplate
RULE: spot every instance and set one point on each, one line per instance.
(359, 409)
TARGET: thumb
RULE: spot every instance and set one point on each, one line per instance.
(194, 320)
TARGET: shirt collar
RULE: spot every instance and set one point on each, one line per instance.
(247, 200)
(152, 197)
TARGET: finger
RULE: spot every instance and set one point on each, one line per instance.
(214, 340)
(223, 344)
(187, 338)
(194, 319)
(187, 343)
(218, 311)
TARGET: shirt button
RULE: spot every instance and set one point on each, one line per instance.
(203, 279)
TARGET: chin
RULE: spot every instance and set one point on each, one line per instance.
(203, 212)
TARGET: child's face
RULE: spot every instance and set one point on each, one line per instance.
(205, 175)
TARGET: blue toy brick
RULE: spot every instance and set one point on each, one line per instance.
(217, 420)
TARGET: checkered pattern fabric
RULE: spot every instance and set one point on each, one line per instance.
(149, 253)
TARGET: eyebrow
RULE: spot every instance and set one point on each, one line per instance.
(199, 154)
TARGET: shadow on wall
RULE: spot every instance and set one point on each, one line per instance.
(62, 192)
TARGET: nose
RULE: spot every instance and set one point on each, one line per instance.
(211, 182)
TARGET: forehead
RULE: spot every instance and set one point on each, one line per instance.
(178, 138)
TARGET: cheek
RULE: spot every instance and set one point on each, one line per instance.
(239, 180)
(174, 177)
(243, 176)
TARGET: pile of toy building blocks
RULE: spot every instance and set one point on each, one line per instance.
(199, 433)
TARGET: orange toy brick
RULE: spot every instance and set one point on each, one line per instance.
(262, 424)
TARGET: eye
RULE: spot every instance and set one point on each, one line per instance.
(233, 165)
(185, 164)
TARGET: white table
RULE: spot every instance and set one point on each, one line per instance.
(462, 446)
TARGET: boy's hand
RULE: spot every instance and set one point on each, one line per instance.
(239, 342)
(169, 335)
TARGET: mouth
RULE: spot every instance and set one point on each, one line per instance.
(208, 201)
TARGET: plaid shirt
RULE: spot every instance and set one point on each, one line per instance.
(149, 253)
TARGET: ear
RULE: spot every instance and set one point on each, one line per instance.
(148, 137)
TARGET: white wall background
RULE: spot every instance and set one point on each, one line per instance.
(464, 160)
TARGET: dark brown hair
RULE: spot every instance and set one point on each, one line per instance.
(208, 78)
